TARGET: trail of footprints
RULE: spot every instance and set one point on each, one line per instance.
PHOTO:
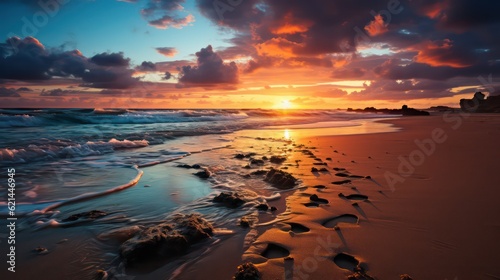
(342, 259)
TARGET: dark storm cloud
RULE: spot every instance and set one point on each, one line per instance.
(166, 13)
(110, 59)
(209, 70)
(146, 66)
(428, 39)
(402, 90)
(8, 92)
(58, 92)
(28, 60)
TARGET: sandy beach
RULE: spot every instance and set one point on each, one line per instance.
(418, 199)
(437, 220)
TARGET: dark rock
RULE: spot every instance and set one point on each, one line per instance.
(205, 174)
(196, 166)
(273, 208)
(41, 250)
(239, 156)
(413, 112)
(166, 239)
(478, 104)
(247, 271)
(277, 159)
(328, 158)
(101, 274)
(341, 174)
(245, 222)
(368, 177)
(265, 158)
(320, 163)
(314, 169)
(319, 187)
(280, 179)
(187, 166)
(339, 169)
(257, 162)
(262, 207)
(323, 169)
(230, 200)
(94, 214)
(259, 172)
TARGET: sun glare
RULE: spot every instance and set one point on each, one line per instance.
(285, 104)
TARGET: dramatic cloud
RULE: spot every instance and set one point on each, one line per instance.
(28, 60)
(8, 92)
(110, 59)
(167, 51)
(210, 70)
(147, 66)
(58, 92)
(166, 13)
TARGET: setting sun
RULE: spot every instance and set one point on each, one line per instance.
(285, 104)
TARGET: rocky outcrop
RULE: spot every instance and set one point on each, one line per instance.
(166, 239)
(405, 111)
(229, 199)
(480, 104)
(280, 179)
(247, 271)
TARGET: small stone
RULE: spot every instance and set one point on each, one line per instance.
(101, 274)
(262, 207)
(41, 250)
(247, 271)
(314, 169)
(273, 208)
(245, 222)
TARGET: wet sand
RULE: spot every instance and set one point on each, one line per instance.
(438, 219)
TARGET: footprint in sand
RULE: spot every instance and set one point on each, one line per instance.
(346, 261)
(354, 196)
(293, 227)
(317, 199)
(345, 218)
(274, 251)
(341, 182)
(311, 204)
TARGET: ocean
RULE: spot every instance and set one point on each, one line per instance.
(126, 163)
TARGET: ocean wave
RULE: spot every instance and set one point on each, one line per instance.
(56, 150)
(19, 121)
(27, 118)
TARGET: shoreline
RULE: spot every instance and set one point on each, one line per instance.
(366, 220)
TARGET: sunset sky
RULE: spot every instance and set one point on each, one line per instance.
(247, 53)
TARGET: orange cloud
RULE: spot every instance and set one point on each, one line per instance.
(291, 25)
(435, 10)
(377, 26)
(277, 47)
(439, 53)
